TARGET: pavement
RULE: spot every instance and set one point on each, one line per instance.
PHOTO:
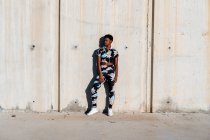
(122, 126)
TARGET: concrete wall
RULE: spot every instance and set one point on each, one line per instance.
(182, 56)
(29, 77)
(83, 23)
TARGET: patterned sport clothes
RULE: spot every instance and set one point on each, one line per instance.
(108, 73)
(107, 56)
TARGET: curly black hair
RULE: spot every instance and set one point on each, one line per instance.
(109, 36)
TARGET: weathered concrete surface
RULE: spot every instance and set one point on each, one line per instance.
(83, 23)
(181, 56)
(28, 75)
(77, 126)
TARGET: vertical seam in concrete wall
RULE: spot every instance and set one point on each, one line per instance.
(147, 65)
(149, 60)
(152, 55)
(59, 19)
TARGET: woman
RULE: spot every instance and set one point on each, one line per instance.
(107, 66)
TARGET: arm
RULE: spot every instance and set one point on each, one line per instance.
(101, 78)
(116, 68)
(99, 65)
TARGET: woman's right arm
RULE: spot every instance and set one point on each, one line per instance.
(101, 78)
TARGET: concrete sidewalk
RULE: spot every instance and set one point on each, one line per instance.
(121, 126)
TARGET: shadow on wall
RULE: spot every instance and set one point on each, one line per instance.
(95, 73)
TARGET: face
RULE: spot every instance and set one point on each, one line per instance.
(107, 42)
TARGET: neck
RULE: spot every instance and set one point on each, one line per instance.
(108, 47)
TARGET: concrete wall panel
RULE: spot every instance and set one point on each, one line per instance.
(181, 55)
(28, 76)
(82, 24)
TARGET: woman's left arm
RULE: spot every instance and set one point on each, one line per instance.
(116, 69)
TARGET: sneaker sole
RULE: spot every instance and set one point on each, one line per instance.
(92, 113)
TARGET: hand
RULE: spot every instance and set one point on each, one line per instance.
(101, 78)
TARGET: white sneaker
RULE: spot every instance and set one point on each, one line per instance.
(92, 111)
(110, 113)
